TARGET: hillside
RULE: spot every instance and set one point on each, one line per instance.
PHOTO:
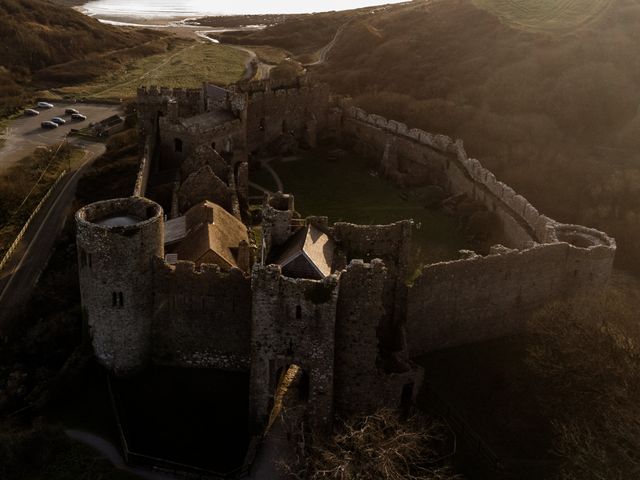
(554, 112)
(301, 35)
(37, 35)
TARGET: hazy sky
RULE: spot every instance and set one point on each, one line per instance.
(167, 8)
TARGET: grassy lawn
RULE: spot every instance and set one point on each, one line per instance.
(188, 65)
(263, 178)
(344, 190)
(545, 15)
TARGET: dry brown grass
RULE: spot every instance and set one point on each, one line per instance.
(50, 45)
(380, 446)
(586, 361)
(23, 186)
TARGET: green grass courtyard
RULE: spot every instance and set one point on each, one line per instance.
(347, 190)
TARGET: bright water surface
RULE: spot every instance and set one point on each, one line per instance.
(194, 8)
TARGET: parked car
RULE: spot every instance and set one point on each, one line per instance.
(78, 116)
(71, 111)
(31, 112)
(58, 120)
(49, 124)
(45, 105)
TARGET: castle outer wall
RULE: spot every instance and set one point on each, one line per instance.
(480, 297)
(202, 317)
(141, 309)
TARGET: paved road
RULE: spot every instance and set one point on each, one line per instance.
(324, 51)
(21, 274)
(24, 134)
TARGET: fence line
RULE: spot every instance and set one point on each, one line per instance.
(18, 239)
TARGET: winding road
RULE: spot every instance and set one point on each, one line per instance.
(22, 272)
(324, 51)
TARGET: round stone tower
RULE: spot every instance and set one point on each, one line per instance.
(117, 241)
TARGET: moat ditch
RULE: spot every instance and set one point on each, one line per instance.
(169, 417)
(491, 400)
(192, 417)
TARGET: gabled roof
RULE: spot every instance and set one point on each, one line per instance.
(312, 244)
(207, 228)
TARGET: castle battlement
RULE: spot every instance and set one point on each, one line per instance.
(142, 309)
(187, 271)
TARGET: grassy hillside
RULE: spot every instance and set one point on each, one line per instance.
(556, 115)
(302, 35)
(36, 36)
(187, 65)
(546, 15)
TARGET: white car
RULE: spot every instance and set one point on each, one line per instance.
(45, 105)
(78, 116)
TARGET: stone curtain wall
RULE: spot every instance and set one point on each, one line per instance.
(293, 323)
(142, 179)
(414, 157)
(202, 317)
(481, 298)
(478, 298)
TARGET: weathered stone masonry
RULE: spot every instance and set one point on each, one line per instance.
(202, 317)
(293, 323)
(352, 332)
(479, 298)
(116, 279)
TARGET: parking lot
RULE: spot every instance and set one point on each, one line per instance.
(24, 134)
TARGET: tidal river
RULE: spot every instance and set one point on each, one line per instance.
(148, 9)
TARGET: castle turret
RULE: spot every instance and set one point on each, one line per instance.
(277, 213)
(117, 241)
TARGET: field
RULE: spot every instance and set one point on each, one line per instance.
(187, 65)
(546, 15)
(345, 190)
(268, 54)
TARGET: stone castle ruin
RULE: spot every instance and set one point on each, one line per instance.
(183, 281)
